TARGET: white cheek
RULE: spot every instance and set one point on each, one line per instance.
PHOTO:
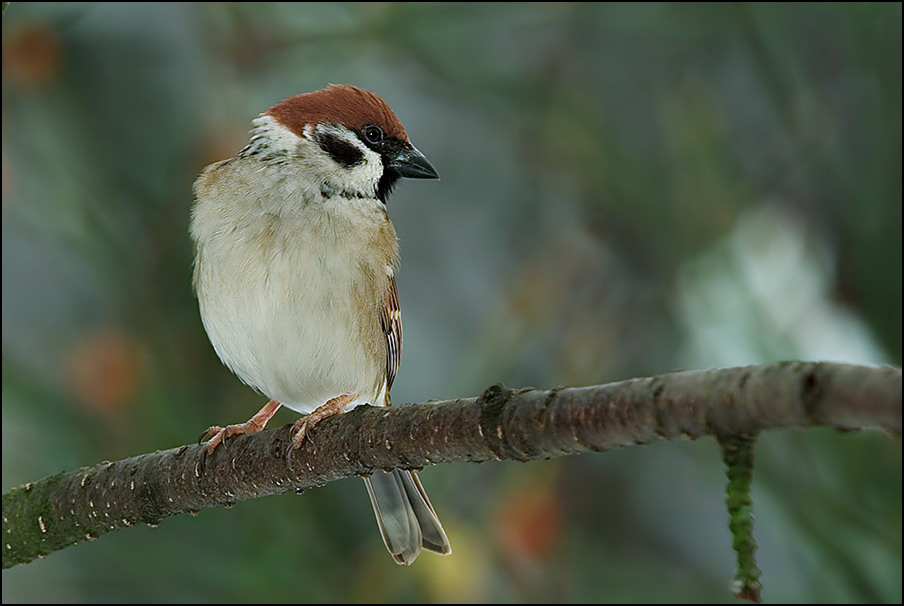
(363, 177)
(309, 161)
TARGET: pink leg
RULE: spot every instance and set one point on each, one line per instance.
(256, 423)
(332, 407)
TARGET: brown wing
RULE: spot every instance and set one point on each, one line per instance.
(392, 328)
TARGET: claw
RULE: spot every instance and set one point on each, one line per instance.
(305, 424)
(219, 434)
(299, 433)
(209, 432)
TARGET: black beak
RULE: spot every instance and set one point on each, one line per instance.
(411, 163)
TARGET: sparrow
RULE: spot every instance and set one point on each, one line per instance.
(294, 273)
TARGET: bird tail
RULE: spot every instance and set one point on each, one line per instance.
(405, 516)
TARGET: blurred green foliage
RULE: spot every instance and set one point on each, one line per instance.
(626, 189)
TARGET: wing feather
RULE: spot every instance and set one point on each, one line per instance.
(392, 328)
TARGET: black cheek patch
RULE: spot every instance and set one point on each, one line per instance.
(344, 153)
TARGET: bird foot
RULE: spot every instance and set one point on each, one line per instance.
(307, 423)
(219, 434)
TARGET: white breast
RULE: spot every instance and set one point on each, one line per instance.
(291, 293)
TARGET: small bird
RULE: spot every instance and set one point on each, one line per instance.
(295, 276)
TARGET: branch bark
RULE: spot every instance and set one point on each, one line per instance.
(522, 424)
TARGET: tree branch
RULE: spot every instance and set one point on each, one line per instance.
(524, 424)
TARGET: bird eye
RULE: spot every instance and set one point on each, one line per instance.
(373, 133)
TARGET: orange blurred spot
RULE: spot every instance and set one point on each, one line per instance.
(103, 371)
(31, 54)
(529, 523)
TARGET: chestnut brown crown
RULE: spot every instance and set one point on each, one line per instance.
(344, 104)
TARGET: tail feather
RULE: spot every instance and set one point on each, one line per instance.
(405, 516)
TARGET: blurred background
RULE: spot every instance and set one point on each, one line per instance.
(626, 190)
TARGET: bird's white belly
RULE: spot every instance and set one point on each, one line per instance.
(286, 322)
